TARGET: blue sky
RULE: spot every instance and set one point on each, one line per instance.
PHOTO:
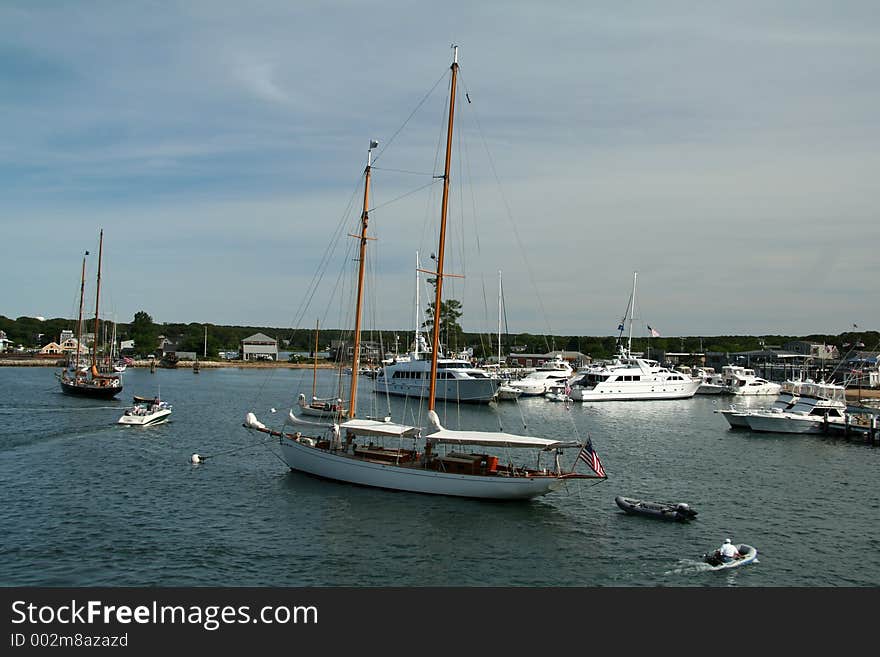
(725, 151)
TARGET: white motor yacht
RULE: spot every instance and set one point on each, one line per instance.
(540, 380)
(743, 381)
(711, 383)
(817, 406)
(457, 379)
(631, 378)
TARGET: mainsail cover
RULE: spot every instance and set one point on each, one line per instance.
(488, 438)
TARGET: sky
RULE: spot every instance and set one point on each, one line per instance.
(727, 152)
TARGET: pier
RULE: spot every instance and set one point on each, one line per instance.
(861, 424)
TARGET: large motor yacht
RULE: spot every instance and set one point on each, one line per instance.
(631, 378)
(457, 379)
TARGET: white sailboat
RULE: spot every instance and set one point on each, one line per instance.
(345, 451)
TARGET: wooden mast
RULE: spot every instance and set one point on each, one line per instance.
(315, 367)
(79, 324)
(435, 342)
(356, 356)
(97, 302)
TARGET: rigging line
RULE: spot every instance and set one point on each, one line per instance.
(509, 214)
(312, 288)
(402, 196)
(414, 173)
(413, 113)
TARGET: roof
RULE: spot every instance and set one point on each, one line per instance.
(259, 338)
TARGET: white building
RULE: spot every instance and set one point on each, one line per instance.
(259, 347)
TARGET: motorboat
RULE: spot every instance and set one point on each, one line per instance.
(743, 381)
(457, 379)
(711, 383)
(538, 381)
(631, 378)
(146, 412)
(506, 392)
(558, 392)
(679, 511)
(717, 562)
(737, 417)
(817, 406)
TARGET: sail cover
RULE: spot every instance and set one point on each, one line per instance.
(488, 438)
(377, 428)
(492, 439)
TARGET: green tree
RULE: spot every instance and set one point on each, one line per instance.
(451, 333)
(144, 332)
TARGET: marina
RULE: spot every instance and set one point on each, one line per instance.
(149, 517)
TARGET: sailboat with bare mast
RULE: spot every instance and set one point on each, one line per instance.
(340, 451)
(325, 407)
(91, 382)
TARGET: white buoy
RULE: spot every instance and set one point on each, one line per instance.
(271, 410)
(196, 459)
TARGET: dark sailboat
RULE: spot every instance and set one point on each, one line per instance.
(89, 382)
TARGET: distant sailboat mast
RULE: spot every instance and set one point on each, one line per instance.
(97, 303)
(632, 309)
(79, 324)
(315, 367)
(416, 339)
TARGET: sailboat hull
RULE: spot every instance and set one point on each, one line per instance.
(89, 390)
(346, 468)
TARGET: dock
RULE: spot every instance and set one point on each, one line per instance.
(862, 424)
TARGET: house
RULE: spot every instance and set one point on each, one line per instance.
(5, 343)
(820, 351)
(259, 347)
(51, 349)
(576, 358)
(69, 345)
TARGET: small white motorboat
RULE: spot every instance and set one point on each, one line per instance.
(748, 554)
(146, 412)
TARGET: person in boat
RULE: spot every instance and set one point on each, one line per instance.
(728, 551)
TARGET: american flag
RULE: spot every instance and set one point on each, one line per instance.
(589, 456)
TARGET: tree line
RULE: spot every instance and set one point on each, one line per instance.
(32, 333)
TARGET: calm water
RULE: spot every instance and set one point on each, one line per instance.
(86, 502)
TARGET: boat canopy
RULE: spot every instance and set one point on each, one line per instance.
(378, 428)
(490, 438)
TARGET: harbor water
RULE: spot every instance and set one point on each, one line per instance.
(87, 502)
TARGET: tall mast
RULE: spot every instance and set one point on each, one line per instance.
(435, 343)
(79, 324)
(206, 342)
(315, 367)
(632, 309)
(97, 302)
(416, 339)
(499, 320)
(356, 358)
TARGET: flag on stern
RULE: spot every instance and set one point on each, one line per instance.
(588, 455)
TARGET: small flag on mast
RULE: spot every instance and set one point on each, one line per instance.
(654, 332)
(620, 327)
(589, 456)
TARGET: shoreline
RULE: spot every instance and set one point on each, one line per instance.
(181, 365)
